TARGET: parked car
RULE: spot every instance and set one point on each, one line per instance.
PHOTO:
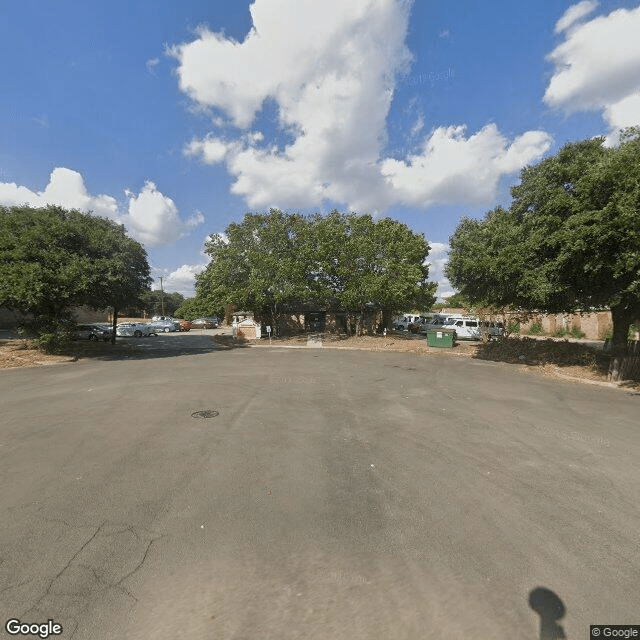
(466, 328)
(135, 329)
(205, 323)
(438, 321)
(163, 326)
(418, 325)
(185, 325)
(495, 329)
(402, 324)
(158, 318)
(93, 332)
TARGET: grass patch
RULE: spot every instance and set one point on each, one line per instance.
(577, 333)
(535, 329)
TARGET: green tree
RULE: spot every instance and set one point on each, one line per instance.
(52, 259)
(365, 264)
(193, 308)
(154, 302)
(258, 265)
(457, 300)
(569, 241)
(275, 263)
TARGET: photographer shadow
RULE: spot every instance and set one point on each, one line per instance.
(551, 609)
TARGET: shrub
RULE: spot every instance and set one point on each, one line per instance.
(576, 332)
(47, 334)
(513, 327)
(535, 329)
(561, 333)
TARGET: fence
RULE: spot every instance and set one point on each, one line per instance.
(625, 367)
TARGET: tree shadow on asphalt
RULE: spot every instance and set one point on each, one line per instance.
(152, 347)
(551, 610)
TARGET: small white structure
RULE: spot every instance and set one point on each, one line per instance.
(244, 326)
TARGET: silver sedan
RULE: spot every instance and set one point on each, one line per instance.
(135, 329)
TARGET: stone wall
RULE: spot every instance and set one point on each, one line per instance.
(594, 325)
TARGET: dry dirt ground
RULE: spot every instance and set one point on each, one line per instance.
(552, 358)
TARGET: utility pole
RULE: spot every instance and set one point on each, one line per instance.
(161, 296)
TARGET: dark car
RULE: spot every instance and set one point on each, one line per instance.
(205, 323)
(93, 332)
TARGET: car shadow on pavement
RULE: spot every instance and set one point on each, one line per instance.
(551, 610)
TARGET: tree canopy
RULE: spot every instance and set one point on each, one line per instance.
(277, 262)
(570, 240)
(192, 308)
(158, 302)
(52, 259)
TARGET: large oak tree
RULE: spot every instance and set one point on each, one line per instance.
(277, 262)
(52, 259)
(570, 241)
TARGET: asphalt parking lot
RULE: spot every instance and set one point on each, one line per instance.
(190, 492)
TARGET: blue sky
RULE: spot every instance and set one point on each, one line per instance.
(177, 118)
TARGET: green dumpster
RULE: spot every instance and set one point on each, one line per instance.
(441, 338)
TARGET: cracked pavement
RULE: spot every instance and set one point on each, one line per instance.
(336, 495)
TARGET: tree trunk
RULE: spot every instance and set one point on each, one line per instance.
(387, 319)
(115, 322)
(623, 316)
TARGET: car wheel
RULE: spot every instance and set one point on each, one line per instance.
(93, 338)
(166, 329)
(137, 333)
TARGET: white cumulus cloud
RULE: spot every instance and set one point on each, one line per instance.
(181, 280)
(574, 14)
(66, 188)
(151, 217)
(455, 169)
(437, 259)
(597, 67)
(330, 70)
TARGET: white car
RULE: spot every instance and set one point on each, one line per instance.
(135, 329)
(164, 326)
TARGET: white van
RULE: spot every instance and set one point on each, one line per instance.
(466, 327)
(438, 321)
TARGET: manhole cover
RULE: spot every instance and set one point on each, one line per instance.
(206, 413)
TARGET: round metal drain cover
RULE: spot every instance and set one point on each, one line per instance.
(206, 413)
